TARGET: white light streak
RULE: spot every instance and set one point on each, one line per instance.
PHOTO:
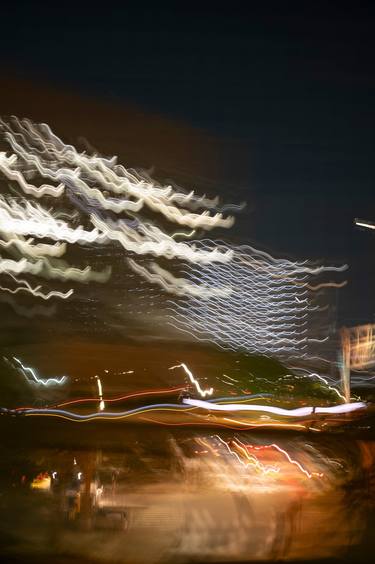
(100, 393)
(174, 285)
(94, 186)
(36, 379)
(203, 393)
(362, 223)
(35, 291)
(266, 306)
(297, 412)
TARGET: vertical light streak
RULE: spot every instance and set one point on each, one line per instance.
(100, 393)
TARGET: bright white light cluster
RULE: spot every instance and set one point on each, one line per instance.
(113, 204)
(267, 311)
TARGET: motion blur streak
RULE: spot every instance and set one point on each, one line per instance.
(36, 379)
(297, 412)
(327, 285)
(44, 190)
(35, 291)
(104, 415)
(250, 460)
(43, 268)
(270, 310)
(120, 398)
(359, 346)
(270, 425)
(286, 454)
(193, 380)
(34, 250)
(307, 374)
(196, 496)
(176, 286)
(85, 184)
(362, 223)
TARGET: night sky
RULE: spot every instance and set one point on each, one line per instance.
(291, 92)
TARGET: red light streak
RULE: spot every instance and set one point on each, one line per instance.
(121, 398)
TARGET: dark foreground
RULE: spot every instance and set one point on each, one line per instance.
(71, 493)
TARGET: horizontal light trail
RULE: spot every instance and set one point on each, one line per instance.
(297, 412)
(109, 400)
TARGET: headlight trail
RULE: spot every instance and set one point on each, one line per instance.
(230, 399)
(238, 426)
(191, 405)
(157, 392)
(272, 425)
(296, 412)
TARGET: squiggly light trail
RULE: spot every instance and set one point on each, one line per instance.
(72, 416)
(189, 406)
(158, 392)
(45, 190)
(249, 460)
(95, 186)
(42, 267)
(287, 456)
(36, 291)
(239, 298)
(268, 311)
(193, 380)
(312, 375)
(29, 248)
(177, 286)
(36, 379)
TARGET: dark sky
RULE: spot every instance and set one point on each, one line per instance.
(293, 89)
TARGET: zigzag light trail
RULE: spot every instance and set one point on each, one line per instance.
(267, 311)
(236, 297)
(85, 181)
